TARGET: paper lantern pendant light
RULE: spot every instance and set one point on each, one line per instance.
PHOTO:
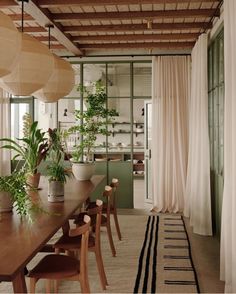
(10, 44)
(60, 83)
(33, 69)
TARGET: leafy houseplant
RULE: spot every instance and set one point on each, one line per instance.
(32, 149)
(56, 170)
(14, 186)
(95, 121)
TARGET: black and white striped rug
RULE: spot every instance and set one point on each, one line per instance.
(165, 262)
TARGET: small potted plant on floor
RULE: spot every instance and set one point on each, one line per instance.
(56, 170)
(32, 149)
(95, 121)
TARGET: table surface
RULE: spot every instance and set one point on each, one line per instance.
(20, 240)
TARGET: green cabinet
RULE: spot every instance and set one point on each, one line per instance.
(121, 170)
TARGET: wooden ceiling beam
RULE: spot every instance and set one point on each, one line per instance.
(7, 3)
(138, 27)
(17, 17)
(33, 29)
(133, 37)
(45, 38)
(137, 14)
(57, 47)
(56, 3)
(44, 17)
(148, 45)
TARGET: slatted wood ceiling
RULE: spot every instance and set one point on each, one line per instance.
(85, 26)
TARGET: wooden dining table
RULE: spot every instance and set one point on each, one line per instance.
(21, 240)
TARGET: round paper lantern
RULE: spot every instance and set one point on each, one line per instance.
(32, 70)
(10, 44)
(59, 84)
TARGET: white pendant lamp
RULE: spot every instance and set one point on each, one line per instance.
(59, 84)
(33, 69)
(9, 44)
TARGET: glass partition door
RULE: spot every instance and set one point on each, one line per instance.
(147, 151)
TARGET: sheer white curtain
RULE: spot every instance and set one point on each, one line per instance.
(171, 86)
(198, 195)
(228, 227)
(4, 131)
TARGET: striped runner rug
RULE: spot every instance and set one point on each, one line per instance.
(165, 262)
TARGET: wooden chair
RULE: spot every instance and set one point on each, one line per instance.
(106, 220)
(106, 217)
(114, 184)
(62, 267)
(73, 244)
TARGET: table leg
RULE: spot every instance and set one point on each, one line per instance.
(19, 284)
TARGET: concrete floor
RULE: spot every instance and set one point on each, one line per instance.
(206, 258)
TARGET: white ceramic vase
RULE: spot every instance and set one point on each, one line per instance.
(83, 171)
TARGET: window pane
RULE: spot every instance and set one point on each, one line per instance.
(119, 80)
(45, 114)
(142, 79)
(120, 137)
(17, 113)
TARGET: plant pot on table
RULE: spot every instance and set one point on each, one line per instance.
(83, 171)
(6, 203)
(33, 180)
(55, 191)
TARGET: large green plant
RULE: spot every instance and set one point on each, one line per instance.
(32, 148)
(56, 170)
(95, 121)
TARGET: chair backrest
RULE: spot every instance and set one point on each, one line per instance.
(114, 184)
(108, 194)
(97, 210)
(84, 231)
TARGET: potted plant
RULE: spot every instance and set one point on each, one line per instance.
(95, 121)
(32, 149)
(56, 170)
(13, 192)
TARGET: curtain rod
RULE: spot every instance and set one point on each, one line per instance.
(125, 55)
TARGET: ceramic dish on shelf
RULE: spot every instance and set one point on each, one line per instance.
(140, 172)
(100, 159)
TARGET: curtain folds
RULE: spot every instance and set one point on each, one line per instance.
(198, 195)
(228, 230)
(171, 89)
(4, 132)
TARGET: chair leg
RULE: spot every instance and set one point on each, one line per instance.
(117, 224)
(109, 233)
(84, 286)
(33, 282)
(101, 270)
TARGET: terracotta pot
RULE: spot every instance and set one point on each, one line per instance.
(33, 180)
(55, 191)
(6, 203)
